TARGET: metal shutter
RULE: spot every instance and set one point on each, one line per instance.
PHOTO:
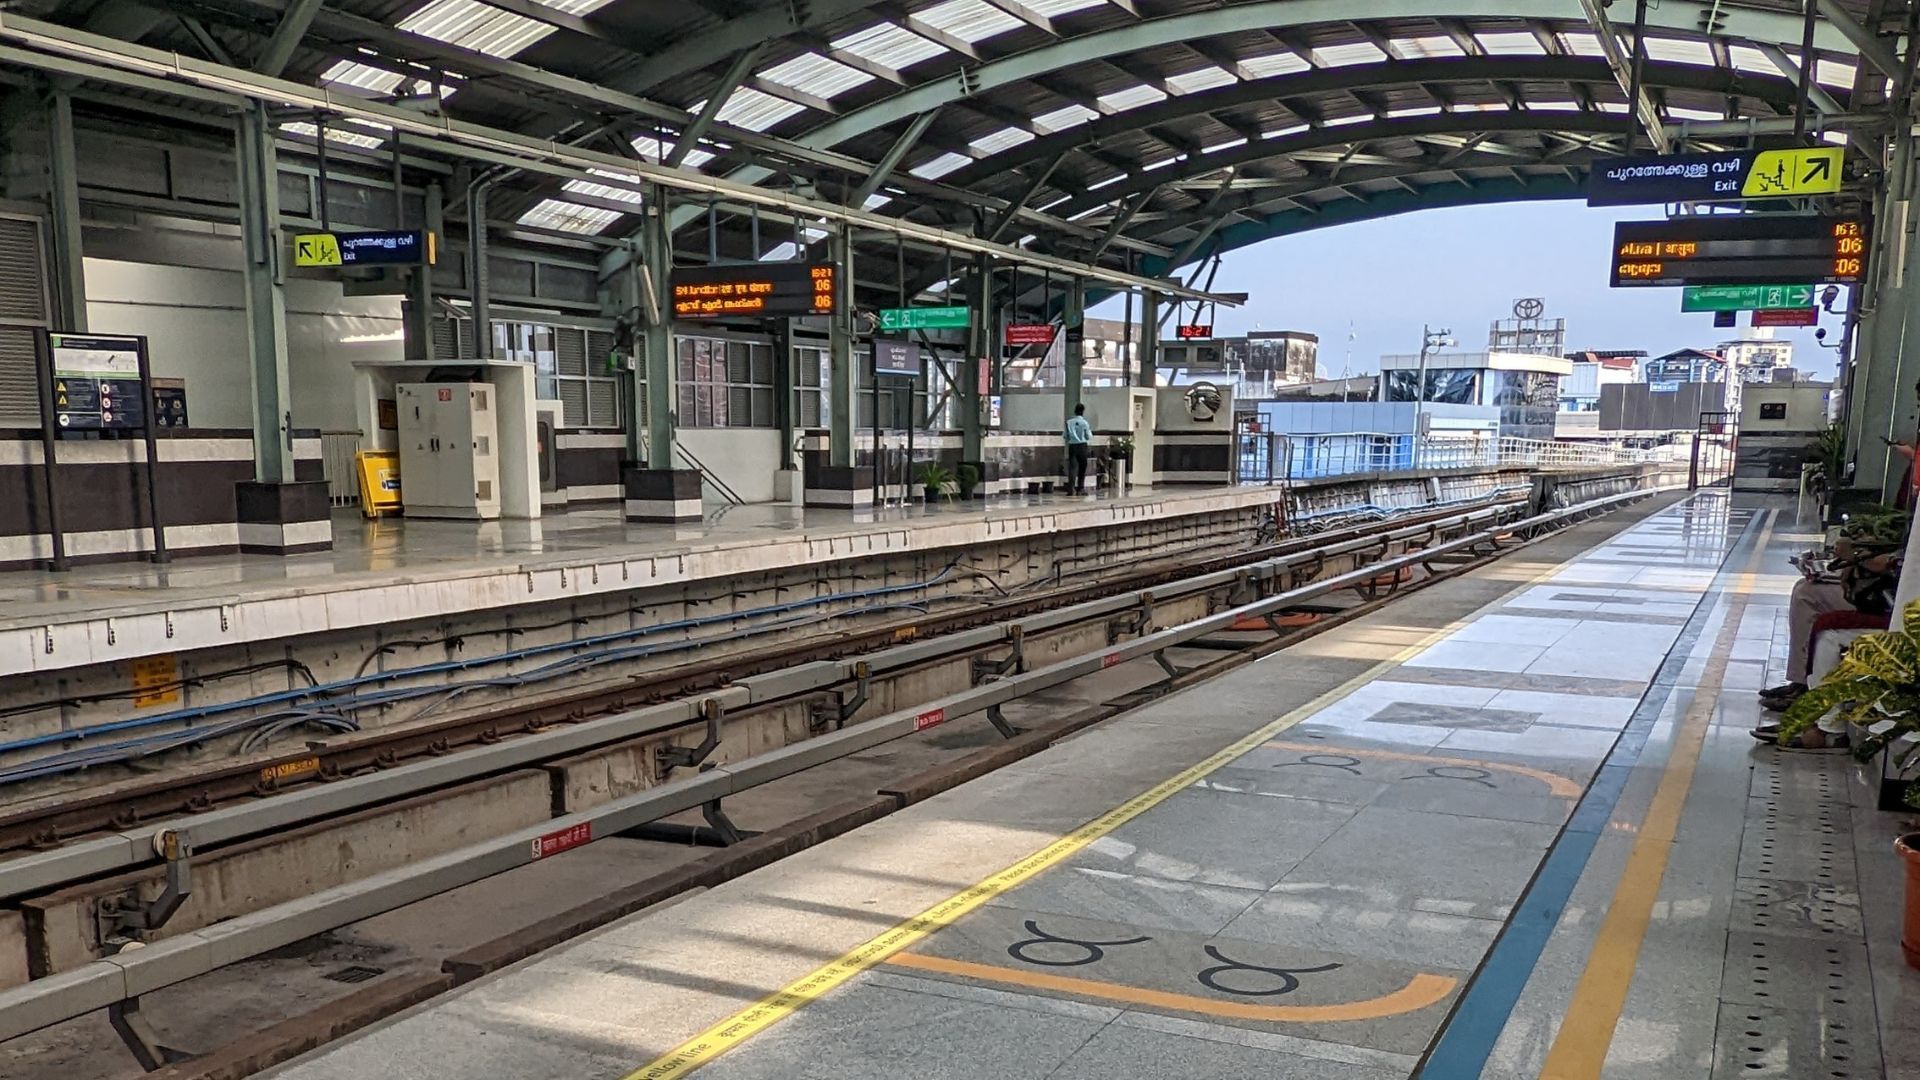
(570, 350)
(446, 339)
(603, 403)
(573, 403)
(23, 307)
(599, 348)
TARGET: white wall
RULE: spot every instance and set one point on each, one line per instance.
(745, 458)
(196, 329)
(1034, 410)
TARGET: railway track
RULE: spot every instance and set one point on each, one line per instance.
(1240, 590)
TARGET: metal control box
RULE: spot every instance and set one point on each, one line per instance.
(449, 450)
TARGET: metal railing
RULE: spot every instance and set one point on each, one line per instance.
(1265, 457)
(337, 464)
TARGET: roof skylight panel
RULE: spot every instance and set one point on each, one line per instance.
(1553, 105)
(1679, 51)
(655, 151)
(940, 166)
(1751, 60)
(1834, 72)
(889, 45)
(814, 74)
(1062, 119)
(1510, 43)
(1001, 140)
(1358, 52)
(1434, 45)
(603, 191)
(569, 217)
(751, 109)
(487, 29)
(362, 77)
(335, 134)
(1280, 63)
(1228, 145)
(1695, 114)
(1051, 8)
(1132, 97)
(1582, 43)
(972, 21)
(1413, 110)
(1290, 129)
(1206, 78)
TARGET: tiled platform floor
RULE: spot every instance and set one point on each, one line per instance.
(1311, 862)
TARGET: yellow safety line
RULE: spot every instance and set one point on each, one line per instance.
(1422, 990)
(1579, 1050)
(789, 999)
(1557, 785)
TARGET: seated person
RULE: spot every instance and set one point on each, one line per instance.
(1861, 575)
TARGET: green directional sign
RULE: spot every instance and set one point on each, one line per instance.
(1745, 297)
(925, 318)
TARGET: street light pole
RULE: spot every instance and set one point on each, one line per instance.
(1430, 339)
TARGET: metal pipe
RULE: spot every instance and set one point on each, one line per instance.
(1807, 63)
(479, 276)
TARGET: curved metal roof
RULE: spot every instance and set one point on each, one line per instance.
(1152, 129)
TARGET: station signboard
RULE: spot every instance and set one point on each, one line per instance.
(1755, 249)
(957, 317)
(1030, 333)
(392, 248)
(1745, 297)
(749, 290)
(1733, 175)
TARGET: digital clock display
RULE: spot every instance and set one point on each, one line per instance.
(1746, 250)
(754, 290)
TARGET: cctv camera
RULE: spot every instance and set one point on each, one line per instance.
(1820, 334)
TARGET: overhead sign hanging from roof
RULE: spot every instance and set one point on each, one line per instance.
(1731, 176)
(762, 289)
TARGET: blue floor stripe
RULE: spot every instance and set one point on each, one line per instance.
(1468, 1035)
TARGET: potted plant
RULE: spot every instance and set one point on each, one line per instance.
(966, 478)
(1826, 460)
(1875, 688)
(935, 480)
(1120, 448)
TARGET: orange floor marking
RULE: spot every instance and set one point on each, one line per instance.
(1421, 991)
(1556, 784)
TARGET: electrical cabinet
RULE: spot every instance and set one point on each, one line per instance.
(449, 450)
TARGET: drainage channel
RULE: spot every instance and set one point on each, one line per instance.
(1004, 663)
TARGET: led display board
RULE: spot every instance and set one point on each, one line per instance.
(1745, 250)
(765, 290)
(1193, 331)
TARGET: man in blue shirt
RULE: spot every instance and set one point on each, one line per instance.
(1079, 436)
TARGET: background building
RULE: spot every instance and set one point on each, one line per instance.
(1525, 386)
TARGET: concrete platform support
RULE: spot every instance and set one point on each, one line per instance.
(839, 486)
(665, 496)
(284, 519)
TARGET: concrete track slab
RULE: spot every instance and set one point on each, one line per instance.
(994, 970)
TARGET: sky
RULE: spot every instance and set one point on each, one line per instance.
(1461, 268)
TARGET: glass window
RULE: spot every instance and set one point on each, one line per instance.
(725, 382)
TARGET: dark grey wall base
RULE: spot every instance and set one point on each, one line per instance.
(662, 496)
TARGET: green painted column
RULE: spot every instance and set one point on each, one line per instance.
(264, 280)
(70, 274)
(1882, 399)
(980, 342)
(840, 335)
(657, 338)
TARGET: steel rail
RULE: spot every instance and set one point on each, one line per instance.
(137, 971)
(131, 848)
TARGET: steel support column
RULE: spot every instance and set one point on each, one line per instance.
(419, 328)
(1145, 375)
(70, 273)
(1073, 352)
(840, 332)
(264, 277)
(662, 381)
(480, 268)
(1881, 395)
(981, 346)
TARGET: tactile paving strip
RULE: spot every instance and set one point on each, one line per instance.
(1795, 908)
(1758, 1043)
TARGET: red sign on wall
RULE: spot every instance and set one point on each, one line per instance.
(1787, 317)
(1030, 333)
(1191, 331)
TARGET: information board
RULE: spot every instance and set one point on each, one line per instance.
(1787, 317)
(96, 383)
(768, 290)
(1745, 297)
(926, 318)
(392, 248)
(1754, 249)
(1731, 175)
(895, 356)
(1030, 333)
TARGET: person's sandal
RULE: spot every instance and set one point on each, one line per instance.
(1814, 740)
